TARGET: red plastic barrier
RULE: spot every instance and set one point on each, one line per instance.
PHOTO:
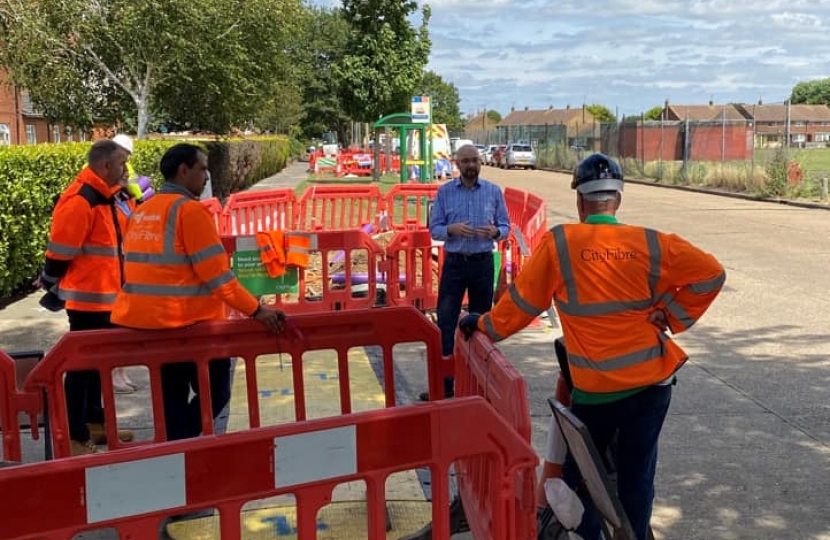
(412, 256)
(12, 403)
(103, 350)
(338, 207)
(534, 221)
(408, 206)
(332, 252)
(215, 207)
(515, 201)
(482, 370)
(306, 460)
(355, 164)
(249, 212)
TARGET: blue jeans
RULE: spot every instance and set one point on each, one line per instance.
(637, 420)
(472, 274)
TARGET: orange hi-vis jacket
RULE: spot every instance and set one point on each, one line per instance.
(84, 250)
(279, 250)
(176, 271)
(605, 279)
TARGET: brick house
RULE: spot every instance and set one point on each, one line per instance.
(809, 125)
(573, 126)
(21, 124)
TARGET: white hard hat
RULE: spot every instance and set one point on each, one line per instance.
(124, 141)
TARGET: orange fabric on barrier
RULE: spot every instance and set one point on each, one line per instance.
(272, 252)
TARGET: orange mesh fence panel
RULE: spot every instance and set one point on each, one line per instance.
(324, 208)
(482, 370)
(408, 206)
(103, 350)
(250, 212)
(306, 460)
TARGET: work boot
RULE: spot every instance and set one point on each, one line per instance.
(99, 435)
(82, 448)
(458, 523)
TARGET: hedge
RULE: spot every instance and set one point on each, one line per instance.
(31, 177)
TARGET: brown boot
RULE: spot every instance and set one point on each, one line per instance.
(82, 448)
(99, 435)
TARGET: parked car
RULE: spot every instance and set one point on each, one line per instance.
(496, 159)
(488, 154)
(519, 155)
(482, 149)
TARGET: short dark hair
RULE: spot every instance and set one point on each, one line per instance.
(101, 151)
(182, 153)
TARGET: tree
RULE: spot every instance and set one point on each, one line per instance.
(211, 62)
(812, 92)
(444, 99)
(494, 116)
(323, 43)
(385, 57)
(654, 113)
(601, 113)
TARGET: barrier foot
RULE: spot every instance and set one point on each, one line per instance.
(458, 523)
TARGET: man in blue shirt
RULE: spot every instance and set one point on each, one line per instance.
(469, 215)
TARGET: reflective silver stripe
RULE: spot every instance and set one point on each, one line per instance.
(565, 263)
(220, 280)
(521, 303)
(679, 313)
(166, 290)
(603, 308)
(170, 226)
(88, 297)
(100, 251)
(620, 362)
(207, 253)
(62, 249)
(655, 256)
(710, 285)
(300, 249)
(490, 329)
(157, 258)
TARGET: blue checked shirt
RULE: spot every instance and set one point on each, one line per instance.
(483, 204)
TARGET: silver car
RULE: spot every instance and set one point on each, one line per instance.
(519, 155)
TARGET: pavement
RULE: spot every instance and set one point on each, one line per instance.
(745, 451)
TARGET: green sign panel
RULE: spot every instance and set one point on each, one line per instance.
(248, 268)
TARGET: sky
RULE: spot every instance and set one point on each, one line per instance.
(629, 55)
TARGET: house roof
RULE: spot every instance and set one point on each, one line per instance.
(541, 117)
(705, 113)
(479, 122)
(778, 113)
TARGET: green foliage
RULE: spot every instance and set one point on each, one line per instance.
(236, 164)
(812, 92)
(654, 113)
(384, 57)
(494, 116)
(776, 168)
(601, 113)
(444, 99)
(210, 64)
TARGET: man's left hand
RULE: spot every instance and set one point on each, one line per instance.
(659, 319)
(487, 231)
(468, 324)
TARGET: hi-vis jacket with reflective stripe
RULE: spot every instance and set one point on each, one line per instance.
(176, 271)
(605, 279)
(84, 244)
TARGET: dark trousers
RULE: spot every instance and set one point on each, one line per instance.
(182, 415)
(83, 388)
(472, 274)
(638, 419)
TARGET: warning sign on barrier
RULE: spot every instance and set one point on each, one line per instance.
(248, 268)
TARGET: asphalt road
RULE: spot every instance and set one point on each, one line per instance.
(745, 453)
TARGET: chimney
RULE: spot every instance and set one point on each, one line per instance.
(710, 101)
(760, 101)
(550, 107)
(525, 107)
(512, 109)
